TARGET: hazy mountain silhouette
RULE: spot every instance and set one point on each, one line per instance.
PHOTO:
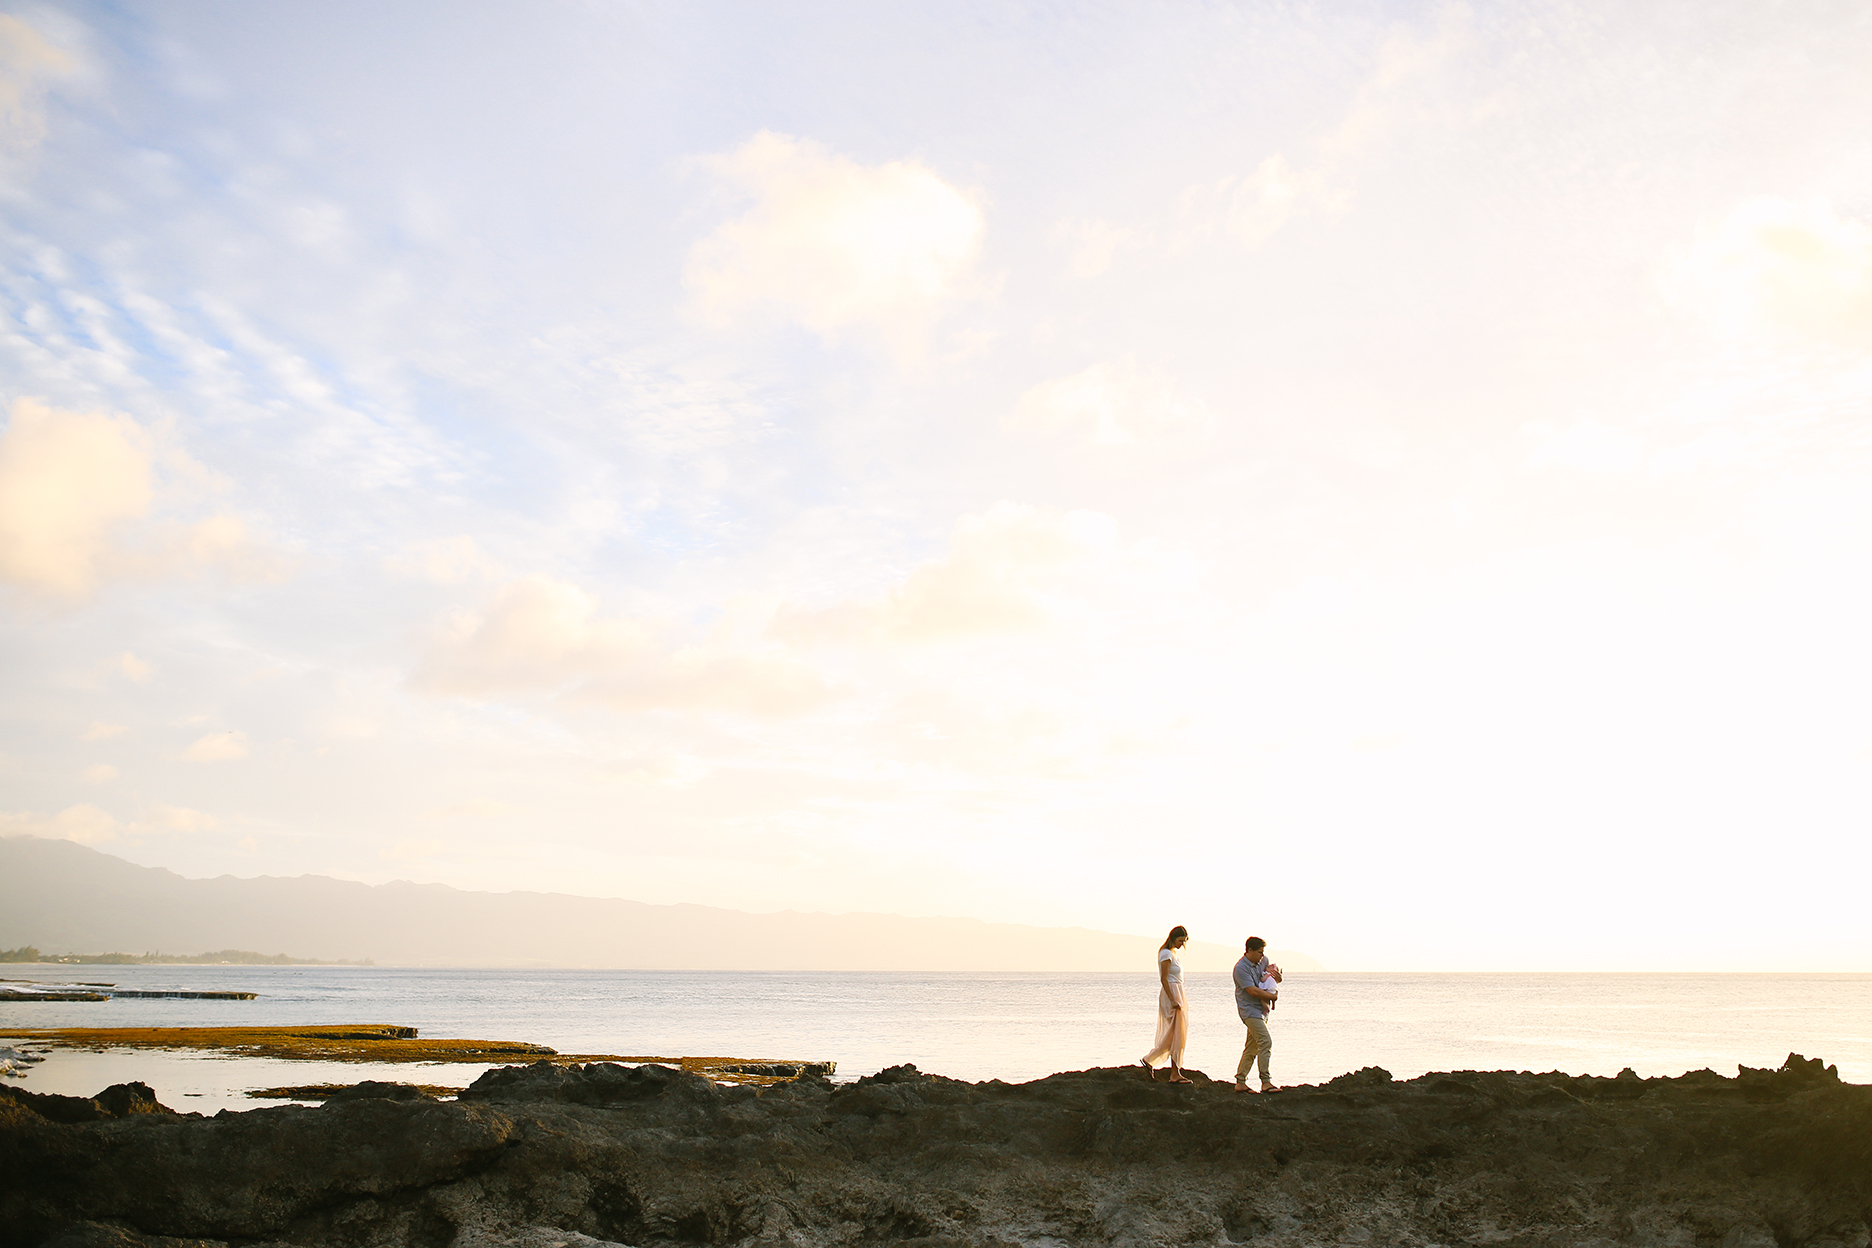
(61, 896)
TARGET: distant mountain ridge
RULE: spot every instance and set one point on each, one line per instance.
(60, 895)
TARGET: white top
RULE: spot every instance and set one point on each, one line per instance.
(1176, 967)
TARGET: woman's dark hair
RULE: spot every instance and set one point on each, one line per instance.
(1178, 930)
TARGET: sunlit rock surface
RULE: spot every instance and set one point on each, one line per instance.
(549, 1155)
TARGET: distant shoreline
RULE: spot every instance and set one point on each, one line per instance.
(29, 955)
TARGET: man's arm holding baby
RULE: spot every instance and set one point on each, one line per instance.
(1246, 981)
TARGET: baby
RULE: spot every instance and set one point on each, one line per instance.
(1270, 984)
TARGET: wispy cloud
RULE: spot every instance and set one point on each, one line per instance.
(68, 482)
(833, 244)
(995, 578)
(76, 495)
(83, 823)
(473, 808)
(1251, 208)
(217, 747)
(1779, 264)
(28, 64)
(1112, 404)
(443, 560)
(539, 636)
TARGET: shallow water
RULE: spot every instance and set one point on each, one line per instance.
(1011, 1026)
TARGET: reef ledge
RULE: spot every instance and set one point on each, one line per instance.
(559, 1155)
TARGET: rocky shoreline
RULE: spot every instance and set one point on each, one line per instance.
(376, 1043)
(552, 1155)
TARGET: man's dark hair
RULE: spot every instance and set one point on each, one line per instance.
(1255, 942)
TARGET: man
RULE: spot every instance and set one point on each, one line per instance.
(1253, 1002)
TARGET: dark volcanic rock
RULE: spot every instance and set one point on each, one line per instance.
(542, 1155)
(117, 1101)
(234, 1175)
(600, 1083)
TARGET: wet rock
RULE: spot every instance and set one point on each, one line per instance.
(600, 1083)
(775, 1070)
(117, 1101)
(540, 1155)
(369, 1089)
(17, 1062)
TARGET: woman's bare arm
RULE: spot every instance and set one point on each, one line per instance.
(1163, 977)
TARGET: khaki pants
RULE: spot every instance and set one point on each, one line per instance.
(1260, 1044)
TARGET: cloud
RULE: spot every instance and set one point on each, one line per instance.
(101, 731)
(100, 773)
(442, 560)
(222, 543)
(474, 808)
(28, 63)
(994, 579)
(700, 678)
(83, 823)
(67, 481)
(217, 747)
(182, 819)
(76, 490)
(536, 633)
(1253, 207)
(1779, 263)
(831, 244)
(88, 825)
(409, 849)
(1256, 206)
(1090, 244)
(133, 668)
(678, 771)
(539, 635)
(1114, 404)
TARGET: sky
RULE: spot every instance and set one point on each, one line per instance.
(1392, 478)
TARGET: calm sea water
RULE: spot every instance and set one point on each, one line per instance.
(1011, 1026)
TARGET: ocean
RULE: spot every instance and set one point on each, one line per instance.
(967, 1025)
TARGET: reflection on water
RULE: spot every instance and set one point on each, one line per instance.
(972, 1026)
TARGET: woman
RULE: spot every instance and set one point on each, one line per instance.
(1172, 1008)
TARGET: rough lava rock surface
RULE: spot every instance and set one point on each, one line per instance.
(548, 1156)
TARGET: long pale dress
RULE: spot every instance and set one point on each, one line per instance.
(1172, 1024)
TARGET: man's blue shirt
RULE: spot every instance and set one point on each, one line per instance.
(1249, 975)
